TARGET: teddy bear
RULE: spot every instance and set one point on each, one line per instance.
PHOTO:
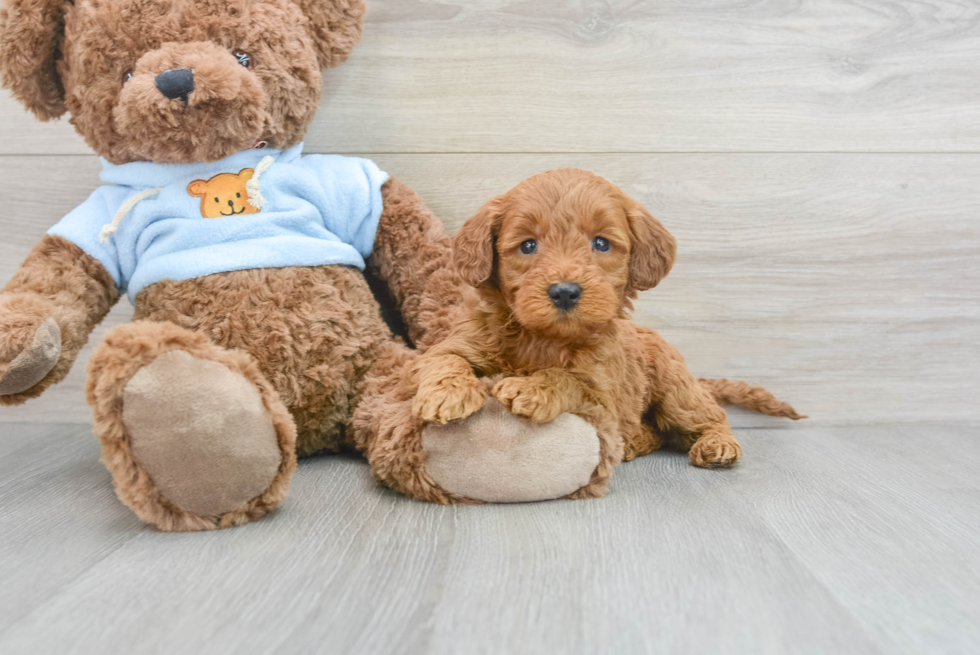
(255, 272)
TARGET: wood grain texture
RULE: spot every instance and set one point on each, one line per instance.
(847, 284)
(55, 503)
(639, 75)
(822, 540)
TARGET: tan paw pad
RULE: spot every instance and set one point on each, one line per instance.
(201, 433)
(495, 457)
(32, 365)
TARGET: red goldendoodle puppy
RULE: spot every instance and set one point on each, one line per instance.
(557, 261)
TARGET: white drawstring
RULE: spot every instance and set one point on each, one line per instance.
(255, 197)
(111, 228)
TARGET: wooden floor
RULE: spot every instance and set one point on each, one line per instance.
(822, 540)
(819, 163)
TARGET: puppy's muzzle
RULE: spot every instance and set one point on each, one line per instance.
(565, 295)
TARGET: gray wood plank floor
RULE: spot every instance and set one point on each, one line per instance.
(823, 540)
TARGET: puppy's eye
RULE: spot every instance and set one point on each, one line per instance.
(600, 244)
(128, 76)
(243, 58)
(529, 247)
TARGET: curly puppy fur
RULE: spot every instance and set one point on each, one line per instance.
(570, 226)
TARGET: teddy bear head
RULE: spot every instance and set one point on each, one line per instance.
(175, 81)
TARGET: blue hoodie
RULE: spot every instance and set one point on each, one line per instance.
(182, 221)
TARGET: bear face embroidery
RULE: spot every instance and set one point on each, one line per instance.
(224, 194)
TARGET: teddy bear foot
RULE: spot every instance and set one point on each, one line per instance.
(492, 456)
(201, 434)
(201, 441)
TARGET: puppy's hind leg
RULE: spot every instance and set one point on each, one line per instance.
(685, 409)
(643, 441)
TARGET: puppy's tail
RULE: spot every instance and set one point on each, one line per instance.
(733, 392)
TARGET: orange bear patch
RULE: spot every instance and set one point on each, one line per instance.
(224, 194)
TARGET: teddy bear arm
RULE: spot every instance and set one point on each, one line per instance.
(47, 311)
(412, 257)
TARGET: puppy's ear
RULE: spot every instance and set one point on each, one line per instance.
(473, 245)
(653, 249)
(31, 32)
(335, 26)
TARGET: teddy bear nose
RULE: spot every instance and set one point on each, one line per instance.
(176, 83)
(565, 295)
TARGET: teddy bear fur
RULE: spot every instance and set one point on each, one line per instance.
(308, 344)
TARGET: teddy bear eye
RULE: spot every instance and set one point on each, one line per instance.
(529, 247)
(238, 195)
(243, 58)
(216, 200)
(600, 244)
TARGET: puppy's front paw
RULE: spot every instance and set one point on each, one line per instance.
(528, 399)
(448, 399)
(715, 451)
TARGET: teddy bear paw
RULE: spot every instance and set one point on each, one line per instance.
(33, 363)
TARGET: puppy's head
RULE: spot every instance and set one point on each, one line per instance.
(565, 251)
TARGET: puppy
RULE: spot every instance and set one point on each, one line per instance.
(556, 262)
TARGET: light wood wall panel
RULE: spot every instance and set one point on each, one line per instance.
(639, 75)
(848, 284)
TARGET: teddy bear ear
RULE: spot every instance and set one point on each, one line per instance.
(335, 26)
(31, 32)
(197, 188)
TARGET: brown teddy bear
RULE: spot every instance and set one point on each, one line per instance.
(256, 336)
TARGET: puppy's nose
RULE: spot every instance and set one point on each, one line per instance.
(176, 83)
(565, 295)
